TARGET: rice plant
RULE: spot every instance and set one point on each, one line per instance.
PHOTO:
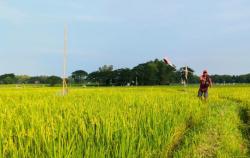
(124, 122)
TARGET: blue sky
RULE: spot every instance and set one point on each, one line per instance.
(213, 35)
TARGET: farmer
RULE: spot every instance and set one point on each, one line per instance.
(205, 82)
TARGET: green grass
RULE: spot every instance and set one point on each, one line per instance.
(124, 122)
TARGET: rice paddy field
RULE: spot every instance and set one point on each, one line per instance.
(124, 122)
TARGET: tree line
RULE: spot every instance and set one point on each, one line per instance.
(231, 78)
(150, 73)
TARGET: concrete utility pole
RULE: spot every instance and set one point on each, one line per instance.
(65, 86)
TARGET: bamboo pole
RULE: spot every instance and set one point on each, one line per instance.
(65, 87)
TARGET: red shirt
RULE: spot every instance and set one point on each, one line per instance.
(205, 82)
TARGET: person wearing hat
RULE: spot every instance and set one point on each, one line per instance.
(205, 83)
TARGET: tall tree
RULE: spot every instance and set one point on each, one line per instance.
(22, 79)
(53, 80)
(79, 76)
(122, 77)
(103, 76)
(154, 73)
(8, 79)
(106, 68)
